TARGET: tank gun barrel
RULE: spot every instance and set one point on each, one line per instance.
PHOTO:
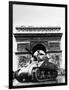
(31, 53)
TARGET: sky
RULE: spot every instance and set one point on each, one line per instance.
(38, 16)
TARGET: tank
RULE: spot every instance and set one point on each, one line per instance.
(37, 70)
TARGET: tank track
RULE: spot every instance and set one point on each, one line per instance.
(41, 75)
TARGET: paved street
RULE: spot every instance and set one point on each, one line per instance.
(59, 79)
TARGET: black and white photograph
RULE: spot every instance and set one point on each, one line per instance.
(37, 44)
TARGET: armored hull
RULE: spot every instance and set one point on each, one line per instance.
(37, 71)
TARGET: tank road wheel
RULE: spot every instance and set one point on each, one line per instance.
(37, 74)
(48, 74)
(40, 75)
(51, 74)
(54, 74)
(33, 75)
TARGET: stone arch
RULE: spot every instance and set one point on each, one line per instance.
(38, 47)
(43, 43)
